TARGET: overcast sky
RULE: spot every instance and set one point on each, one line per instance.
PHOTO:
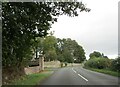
(96, 30)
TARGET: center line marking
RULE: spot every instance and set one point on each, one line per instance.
(73, 70)
(82, 77)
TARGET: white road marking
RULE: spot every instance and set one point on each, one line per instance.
(82, 77)
(74, 70)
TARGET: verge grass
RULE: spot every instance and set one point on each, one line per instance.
(32, 79)
(105, 71)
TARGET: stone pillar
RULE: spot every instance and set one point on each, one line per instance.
(41, 63)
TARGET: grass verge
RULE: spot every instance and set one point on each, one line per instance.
(32, 79)
(105, 71)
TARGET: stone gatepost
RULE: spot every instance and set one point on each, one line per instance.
(41, 63)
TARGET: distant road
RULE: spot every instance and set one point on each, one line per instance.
(79, 76)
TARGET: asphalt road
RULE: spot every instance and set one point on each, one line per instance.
(79, 76)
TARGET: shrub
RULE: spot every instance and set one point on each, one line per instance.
(99, 63)
(115, 65)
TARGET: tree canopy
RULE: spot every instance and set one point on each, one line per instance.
(70, 50)
(49, 48)
(23, 21)
(96, 54)
(64, 50)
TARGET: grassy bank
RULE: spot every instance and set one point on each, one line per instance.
(32, 79)
(105, 71)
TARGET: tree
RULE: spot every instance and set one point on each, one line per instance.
(103, 56)
(37, 46)
(79, 54)
(70, 50)
(60, 57)
(24, 21)
(68, 56)
(50, 55)
(95, 54)
(30, 20)
(49, 48)
(99, 63)
(115, 65)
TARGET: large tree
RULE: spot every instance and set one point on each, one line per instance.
(70, 50)
(49, 48)
(24, 21)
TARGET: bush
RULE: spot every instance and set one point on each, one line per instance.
(115, 65)
(99, 63)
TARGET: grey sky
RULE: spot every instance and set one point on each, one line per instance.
(96, 30)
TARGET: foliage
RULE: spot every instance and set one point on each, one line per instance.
(49, 44)
(103, 63)
(23, 21)
(96, 54)
(115, 65)
(98, 63)
(79, 54)
(60, 57)
(50, 55)
(37, 46)
(64, 50)
(67, 56)
(69, 50)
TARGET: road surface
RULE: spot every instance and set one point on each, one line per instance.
(79, 76)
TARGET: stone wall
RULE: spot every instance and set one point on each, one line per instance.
(36, 69)
(52, 64)
(30, 70)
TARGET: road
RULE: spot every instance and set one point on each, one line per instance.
(79, 76)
